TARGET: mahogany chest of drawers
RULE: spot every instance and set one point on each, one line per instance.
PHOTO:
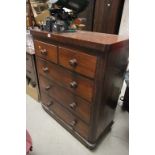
(80, 78)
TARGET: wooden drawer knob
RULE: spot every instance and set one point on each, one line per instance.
(47, 87)
(73, 105)
(43, 51)
(73, 123)
(73, 62)
(45, 69)
(73, 84)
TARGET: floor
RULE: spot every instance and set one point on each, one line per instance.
(49, 138)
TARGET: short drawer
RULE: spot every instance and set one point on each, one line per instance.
(46, 51)
(29, 59)
(72, 122)
(77, 84)
(75, 104)
(77, 61)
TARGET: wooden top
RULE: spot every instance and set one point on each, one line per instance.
(95, 37)
(83, 38)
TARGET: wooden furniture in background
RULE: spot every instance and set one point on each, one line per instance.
(80, 79)
(30, 20)
(107, 16)
(103, 15)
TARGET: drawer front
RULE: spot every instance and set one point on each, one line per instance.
(73, 122)
(77, 84)
(46, 51)
(69, 100)
(77, 61)
(28, 59)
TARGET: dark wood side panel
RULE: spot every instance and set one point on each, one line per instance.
(74, 123)
(108, 16)
(73, 103)
(98, 93)
(46, 51)
(75, 83)
(78, 61)
(117, 61)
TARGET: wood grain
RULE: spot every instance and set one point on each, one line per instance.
(95, 41)
(96, 93)
(86, 64)
(46, 51)
(107, 16)
(66, 116)
(66, 98)
(65, 78)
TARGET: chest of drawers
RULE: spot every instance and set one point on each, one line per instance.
(80, 78)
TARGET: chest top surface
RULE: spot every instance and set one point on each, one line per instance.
(87, 39)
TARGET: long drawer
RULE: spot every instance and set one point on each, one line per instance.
(77, 84)
(46, 51)
(75, 104)
(77, 61)
(73, 122)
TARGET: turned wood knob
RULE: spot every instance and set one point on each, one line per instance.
(43, 51)
(73, 105)
(73, 84)
(45, 69)
(47, 87)
(73, 123)
(73, 62)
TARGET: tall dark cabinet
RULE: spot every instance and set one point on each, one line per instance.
(103, 15)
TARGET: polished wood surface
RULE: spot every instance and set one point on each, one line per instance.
(73, 122)
(78, 61)
(109, 82)
(107, 16)
(46, 51)
(86, 39)
(72, 102)
(103, 16)
(89, 94)
(75, 83)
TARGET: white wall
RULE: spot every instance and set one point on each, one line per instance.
(124, 26)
